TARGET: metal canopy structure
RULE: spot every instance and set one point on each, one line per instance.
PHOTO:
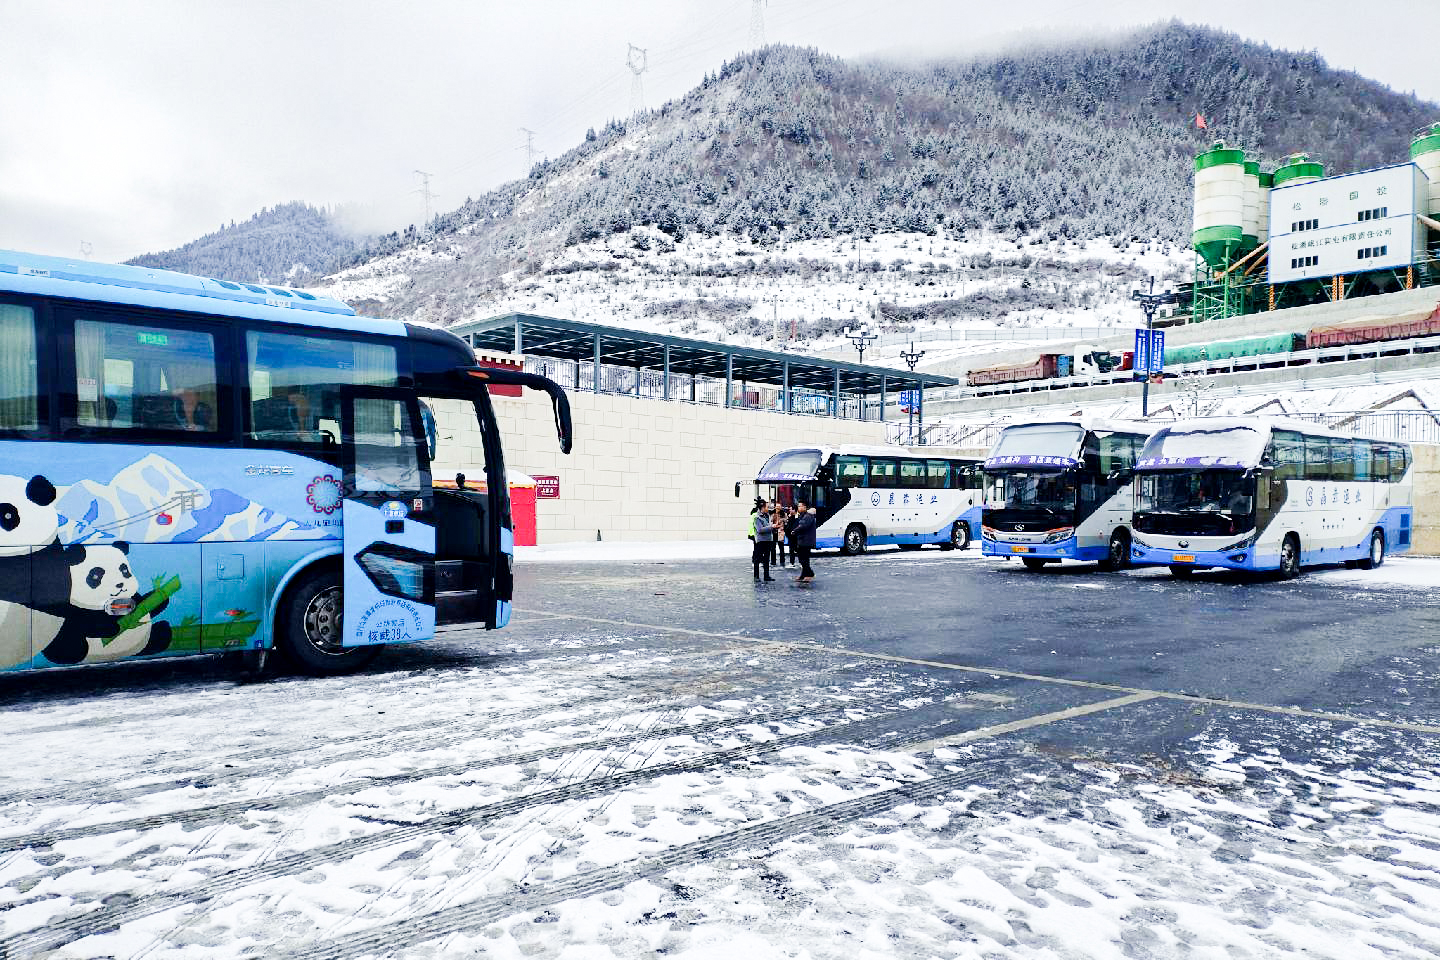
(550, 337)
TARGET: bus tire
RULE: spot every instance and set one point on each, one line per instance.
(959, 536)
(1033, 563)
(311, 621)
(1117, 555)
(1290, 557)
(1376, 556)
(853, 543)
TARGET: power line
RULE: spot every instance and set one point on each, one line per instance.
(757, 24)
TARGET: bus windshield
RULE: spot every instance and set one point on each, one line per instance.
(790, 465)
(1040, 440)
(1231, 447)
(1049, 491)
(1196, 502)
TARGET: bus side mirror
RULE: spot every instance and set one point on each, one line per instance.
(564, 428)
(737, 489)
(1121, 476)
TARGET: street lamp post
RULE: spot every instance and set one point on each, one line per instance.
(911, 358)
(1150, 301)
(862, 339)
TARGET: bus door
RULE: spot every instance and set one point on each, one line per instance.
(389, 534)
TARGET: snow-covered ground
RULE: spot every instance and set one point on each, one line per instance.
(576, 789)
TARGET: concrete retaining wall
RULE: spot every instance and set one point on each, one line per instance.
(641, 469)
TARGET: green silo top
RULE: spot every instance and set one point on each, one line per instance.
(1298, 168)
(1426, 141)
(1252, 168)
(1267, 179)
(1218, 157)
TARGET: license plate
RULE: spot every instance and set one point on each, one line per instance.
(1184, 558)
(1022, 549)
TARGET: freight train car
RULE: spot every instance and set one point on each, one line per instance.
(1374, 329)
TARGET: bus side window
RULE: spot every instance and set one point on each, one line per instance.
(912, 473)
(19, 398)
(1360, 460)
(938, 474)
(136, 376)
(1317, 458)
(1380, 463)
(294, 384)
(1288, 455)
(850, 472)
(1342, 460)
(882, 473)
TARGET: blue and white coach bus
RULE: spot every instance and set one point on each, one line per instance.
(193, 466)
(1061, 490)
(866, 495)
(1269, 494)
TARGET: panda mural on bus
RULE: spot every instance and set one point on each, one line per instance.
(95, 570)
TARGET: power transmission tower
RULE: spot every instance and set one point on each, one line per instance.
(425, 191)
(757, 24)
(529, 148)
(638, 62)
(86, 248)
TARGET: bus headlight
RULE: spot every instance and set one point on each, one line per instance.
(1064, 533)
(1238, 544)
(987, 533)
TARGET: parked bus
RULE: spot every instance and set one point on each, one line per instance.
(1261, 494)
(867, 495)
(1061, 490)
(195, 466)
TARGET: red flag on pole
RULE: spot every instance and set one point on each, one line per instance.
(1200, 122)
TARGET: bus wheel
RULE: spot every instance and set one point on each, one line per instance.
(1117, 557)
(311, 627)
(1290, 557)
(1033, 563)
(959, 536)
(1377, 551)
(854, 542)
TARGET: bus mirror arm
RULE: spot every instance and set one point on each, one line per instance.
(737, 489)
(493, 376)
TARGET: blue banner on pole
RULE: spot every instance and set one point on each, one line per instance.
(1157, 351)
(1141, 364)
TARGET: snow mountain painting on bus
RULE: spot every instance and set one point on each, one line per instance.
(154, 501)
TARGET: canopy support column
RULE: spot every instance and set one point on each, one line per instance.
(519, 336)
(667, 371)
(835, 395)
(597, 363)
(884, 388)
(729, 376)
(785, 387)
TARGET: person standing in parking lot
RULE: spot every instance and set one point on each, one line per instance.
(801, 533)
(764, 526)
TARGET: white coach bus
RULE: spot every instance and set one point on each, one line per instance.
(868, 495)
(1060, 490)
(1269, 494)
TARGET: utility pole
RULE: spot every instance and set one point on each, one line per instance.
(1150, 301)
(638, 61)
(424, 190)
(775, 319)
(757, 24)
(86, 249)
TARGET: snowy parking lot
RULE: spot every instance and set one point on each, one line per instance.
(923, 755)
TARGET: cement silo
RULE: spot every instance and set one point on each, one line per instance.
(1425, 151)
(1219, 204)
(1265, 182)
(1250, 219)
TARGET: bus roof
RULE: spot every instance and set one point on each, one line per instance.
(1097, 424)
(1264, 424)
(39, 275)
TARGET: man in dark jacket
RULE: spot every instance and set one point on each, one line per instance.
(801, 533)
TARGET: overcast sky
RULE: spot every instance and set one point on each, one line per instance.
(138, 126)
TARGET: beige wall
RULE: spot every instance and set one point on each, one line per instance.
(641, 469)
(1426, 539)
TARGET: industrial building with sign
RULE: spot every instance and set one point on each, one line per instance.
(1268, 240)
